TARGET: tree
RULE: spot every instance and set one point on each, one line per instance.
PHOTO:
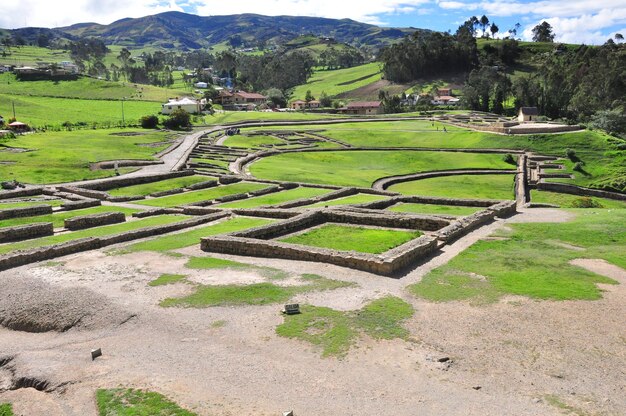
(325, 100)
(149, 122)
(308, 97)
(619, 37)
(484, 21)
(178, 119)
(124, 58)
(543, 32)
(494, 29)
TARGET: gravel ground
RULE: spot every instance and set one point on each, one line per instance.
(518, 356)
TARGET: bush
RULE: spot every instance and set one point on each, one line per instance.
(586, 202)
(578, 167)
(149, 122)
(571, 154)
(508, 158)
(178, 119)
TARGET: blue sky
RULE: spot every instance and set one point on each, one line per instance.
(575, 21)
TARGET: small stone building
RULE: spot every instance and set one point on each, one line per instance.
(528, 114)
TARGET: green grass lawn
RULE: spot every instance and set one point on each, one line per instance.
(247, 142)
(6, 409)
(165, 185)
(461, 186)
(91, 232)
(346, 238)
(65, 156)
(533, 260)
(52, 111)
(571, 201)
(255, 294)
(414, 208)
(203, 194)
(167, 279)
(35, 201)
(362, 168)
(334, 332)
(132, 402)
(58, 218)
(191, 237)
(348, 200)
(276, 198)
(338, 81)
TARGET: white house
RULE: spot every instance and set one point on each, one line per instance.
(188, 104)
(201, 85)
(527, 114)
(445, 100)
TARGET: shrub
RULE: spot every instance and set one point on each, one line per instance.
(178, 119)
(571, 154)
(149, 122)
(578, 167)
(508, 158)
(586, 202)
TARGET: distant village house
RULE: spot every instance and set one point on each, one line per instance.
(188, 104)
(302, 105)
(363, 108)
(528, 114)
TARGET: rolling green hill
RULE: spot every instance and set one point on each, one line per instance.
(339, 81)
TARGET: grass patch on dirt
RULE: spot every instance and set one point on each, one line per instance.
(461, 186)
(572, 201)
(255, 294)
(6, 409)
(191, 237)
(203, 194)
(58, 218)
(167, 279)
(556, 401)
(414, 208)
(349, 200)
(92, 232)
(363, 167)
(65, 156)
(204, 263)
(276, 198)
(132, 402)
(361, 239)
(334, 332)
(165, 185)
(533, 261)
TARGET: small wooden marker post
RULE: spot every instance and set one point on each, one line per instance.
(96, 353)
(292, 309)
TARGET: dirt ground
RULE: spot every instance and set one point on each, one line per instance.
(515, 357)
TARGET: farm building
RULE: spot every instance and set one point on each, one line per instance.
(445, 100)
(527, 114)
(364, 108)
(301, 105)
(188, 104)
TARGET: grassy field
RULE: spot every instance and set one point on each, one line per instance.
(572, 201)
(58, 218)
(9, 204)
(334, 332)
(348, 200)
(362, 168)
(239, 116)
(276, 198)
(32, 55)
(91, 232)
(433, 209)
(131, 402)
(46, 111)
(248, 142)
(55, 157)
(337, 81)
(255, 294)
(203, 194)
(165, 185)
(347, 238)
(461, 186)
(533, 260)
(191, 237)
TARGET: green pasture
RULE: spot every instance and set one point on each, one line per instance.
(414, 208)
(573, 201)
(352, 238)
(104, 231)
(335, 332)
(165, 185)
(64, 156)
(248, 142)
(32, 55)
(338, 81)
(203, 194)
(47, 111)
(57, 219)
(86, 88)
(362, 168)
(348, 200)
(276, 198)
(532, 260)
(226, 117)
(132, 402)
(461, 186)
(191, 237)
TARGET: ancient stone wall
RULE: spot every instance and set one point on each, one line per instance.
(25, 211)
(95, 220)
(24, 232)
(267, 213)
(21, 193)
(161, 211)
(202, 185)
(118, 182)
(577, 190)
(167, 192)
(83, 203)
(88, 193)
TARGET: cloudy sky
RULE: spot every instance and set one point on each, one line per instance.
(579, 21)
